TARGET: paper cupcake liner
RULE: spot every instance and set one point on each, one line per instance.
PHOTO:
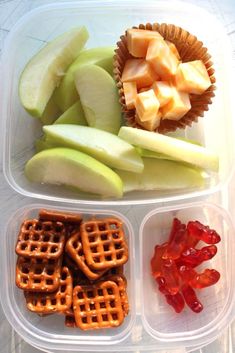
(189, 48)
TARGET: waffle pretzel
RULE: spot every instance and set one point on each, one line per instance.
(75, 250)
(39, 275)
(97, 306)
(58, 301)
(104, 243)
(59, 216)
(40, 239)
(121, 283)
(70, 318)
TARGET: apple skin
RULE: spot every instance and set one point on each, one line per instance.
(73, 115)
(99, 98)
(51, 112)
(64, 166)
(44, 71)
(66, 94)
(104, 146)
(160, 174)
(179, 149)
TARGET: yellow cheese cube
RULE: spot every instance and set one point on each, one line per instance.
(163, 91)
(152, 124)
(161, 58)
(139, 71)
(173, 49)
(130, 93)
(138, 41)
(147, 105)
(177, 107)
(192, 77)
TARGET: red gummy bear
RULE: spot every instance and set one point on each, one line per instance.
(205, 279)
(191, 299)
(204, 233)
(156, 260)
(177, 241)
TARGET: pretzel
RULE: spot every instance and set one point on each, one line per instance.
(58, 301)
(75, 250)
(39, 239)
(121, 283)
(103, 243)
(115, 271)
(78, 276)
(70, 318)
(97, 306)
(59, 216)
(39, 275)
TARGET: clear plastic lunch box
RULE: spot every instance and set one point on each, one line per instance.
(106, 21)
(151, 325)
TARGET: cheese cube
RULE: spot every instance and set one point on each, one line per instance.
(138, 41)
(161, 58)
(163, 91)
(173, 49)
(147, 105)
(130, 93)
(152, 124)
(177, 107)
(192, 77)
(139, 71)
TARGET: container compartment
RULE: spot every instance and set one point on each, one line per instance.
(159, 319)
(106, 21)
(51, 330)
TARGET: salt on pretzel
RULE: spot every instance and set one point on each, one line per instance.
(75, 250)
(97, 306)
(58, 301)
(38, 275)
(104, 243)
(38, 239)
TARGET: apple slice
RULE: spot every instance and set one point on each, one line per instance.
(171, 146)
(66, 94)
(51, 112)
(42, 144)
(73, 115)
(44, 71)
(65, 166)
(159, 174)
(99, 97)
(104, 146)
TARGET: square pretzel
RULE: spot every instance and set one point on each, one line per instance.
(104, 243)
(75, 250)
(58, 301)
(38, 275)
(97, 306)
(40, 239)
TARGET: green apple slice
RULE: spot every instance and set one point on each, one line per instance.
(42, 144)
(104, 146)
(66, 94)
(45, 70)
(64, 166)
(143, 152)
(73, 115)
(51, 112)
(159, 174)
(99, 97)
(173, 147)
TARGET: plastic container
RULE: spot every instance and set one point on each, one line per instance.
(50, 332)
(106, 21)
(159, 319)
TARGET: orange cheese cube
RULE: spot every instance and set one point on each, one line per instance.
(147, 105)
(163, 91)
(173, 49)
(177, 107)
(130, 93)
(152, 124)
(138, 41)
(139, 71)
(192, 77)
(161, 58)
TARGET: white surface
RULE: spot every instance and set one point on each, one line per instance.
(10, 11)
